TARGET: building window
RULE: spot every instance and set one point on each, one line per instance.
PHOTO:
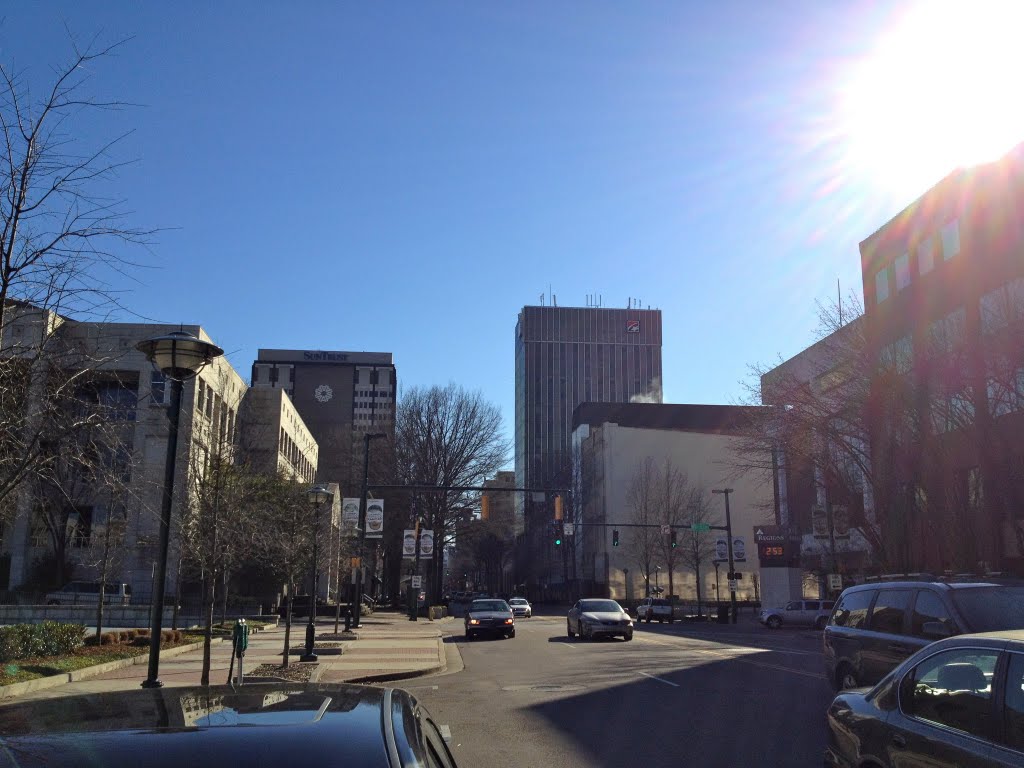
(952, 412)
(950, 239)
(200, 394)
(902, 267)
(1003, 307)
(947, 333)
(273, 375)
(898, 356)
(882, 286)
(925, 256)
(157, 387)
(1005, 389)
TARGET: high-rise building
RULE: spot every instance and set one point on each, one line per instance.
(566, 356)
(340, 395)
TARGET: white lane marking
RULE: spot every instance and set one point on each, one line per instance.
(762, 648)
(660, 679)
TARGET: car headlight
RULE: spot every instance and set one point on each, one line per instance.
(509, 621)
(474, 621)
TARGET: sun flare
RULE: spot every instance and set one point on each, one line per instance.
(939, 90)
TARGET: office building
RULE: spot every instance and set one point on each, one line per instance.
(566, 356)
(944, 310)
(340, 396)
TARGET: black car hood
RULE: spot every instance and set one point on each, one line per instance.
(489, 615)
(199, 726)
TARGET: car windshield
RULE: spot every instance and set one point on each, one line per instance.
(517, 601)
(488, 605)
(600, 606)
(991, 609)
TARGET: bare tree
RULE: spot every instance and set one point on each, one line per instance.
(60, 243)
(446, 436)
(489, 543)
(671, 497)
(642, 502)
(696, 548)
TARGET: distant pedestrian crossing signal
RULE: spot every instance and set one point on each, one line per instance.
(615, 538)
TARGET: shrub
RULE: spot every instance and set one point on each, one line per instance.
(108, 638)
(50, 638)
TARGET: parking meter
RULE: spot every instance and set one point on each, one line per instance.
(239, 644)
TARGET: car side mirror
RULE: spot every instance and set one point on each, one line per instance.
(935, 629)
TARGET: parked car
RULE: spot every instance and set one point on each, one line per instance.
(521, 607)
(656, 608)
(958, 701)
(874, 627)
(289, 724)
(798, 613)
(489, 617)
(594, 618)
(85, 592)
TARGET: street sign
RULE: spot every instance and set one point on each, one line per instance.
(700, 527)
(835, 582)
(732, 585)
(354, 562)
(666, 530)
(417, 582)
(567, 529)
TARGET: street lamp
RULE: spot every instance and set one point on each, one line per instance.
(355, 605)
(318, 495)
(179, 355)
(732, 568)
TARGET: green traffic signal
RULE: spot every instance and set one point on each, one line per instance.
(558, 541)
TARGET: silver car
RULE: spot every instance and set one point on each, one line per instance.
(798, 613)
(521, 607)
(593, 618)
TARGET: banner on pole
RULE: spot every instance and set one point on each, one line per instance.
(375, 519)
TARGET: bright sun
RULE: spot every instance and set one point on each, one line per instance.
(941, 89)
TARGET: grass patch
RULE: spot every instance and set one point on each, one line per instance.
(23, 670)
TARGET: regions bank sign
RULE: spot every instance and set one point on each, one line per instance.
(325, 357)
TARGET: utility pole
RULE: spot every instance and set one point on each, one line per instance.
(732, 566)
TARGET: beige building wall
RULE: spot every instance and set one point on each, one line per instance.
(274, 437)
(706, 460)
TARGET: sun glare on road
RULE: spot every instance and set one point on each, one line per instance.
(939, 89)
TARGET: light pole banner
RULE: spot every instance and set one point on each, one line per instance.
(409, 543)
(722, 550)
(739, 549)
(374, 519)
(426, 543)
(349, 513)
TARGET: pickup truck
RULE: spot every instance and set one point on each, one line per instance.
(657, 608)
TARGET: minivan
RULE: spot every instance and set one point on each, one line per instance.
(874, 627)
(85, 592)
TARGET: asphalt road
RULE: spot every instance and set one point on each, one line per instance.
(675, 695)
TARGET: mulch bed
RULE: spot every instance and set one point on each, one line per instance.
(293, 673)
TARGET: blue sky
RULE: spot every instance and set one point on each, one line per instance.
(404, 177)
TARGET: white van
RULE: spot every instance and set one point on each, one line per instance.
(85, 592)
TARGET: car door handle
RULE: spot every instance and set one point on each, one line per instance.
(899, 742)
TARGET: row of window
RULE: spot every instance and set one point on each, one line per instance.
(294, 455)
(924, 252)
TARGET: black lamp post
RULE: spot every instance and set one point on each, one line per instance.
(318, 495)
(732, 566)
(357, 601)
(179, 356)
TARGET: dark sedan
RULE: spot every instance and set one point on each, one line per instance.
(489, 617)
(957, 702)
(294, 725)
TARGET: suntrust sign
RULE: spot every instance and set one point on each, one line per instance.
(332, 357)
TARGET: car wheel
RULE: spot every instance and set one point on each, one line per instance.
(773, 622)
(846, 678)
(512, 633)
(628, 636)
(586, 633)
(568, 630)
(821, 622)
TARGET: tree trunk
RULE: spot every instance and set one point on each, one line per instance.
(696, 571)
(288, 624)
(671, 589)
(224, 600)
(208, 600)
(177, 596)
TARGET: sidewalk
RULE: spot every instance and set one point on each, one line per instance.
(389, 647)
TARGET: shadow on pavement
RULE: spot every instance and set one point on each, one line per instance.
(719, 714)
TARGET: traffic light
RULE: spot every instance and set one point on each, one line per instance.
(674, 542)
(558, 508)
(485, 507)
(615, 538)
(556, 532)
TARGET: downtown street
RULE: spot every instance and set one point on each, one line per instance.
(681, 694)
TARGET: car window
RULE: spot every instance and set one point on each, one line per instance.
(437, 753)
(811, 605)
(794, 606)
(990, 609)
(928, 607)
(1014, 704)
(827, 605)
(852, 611)
(890, 608)
(488, 605)
(954, 689)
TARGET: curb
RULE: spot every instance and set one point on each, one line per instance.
(53, 681)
